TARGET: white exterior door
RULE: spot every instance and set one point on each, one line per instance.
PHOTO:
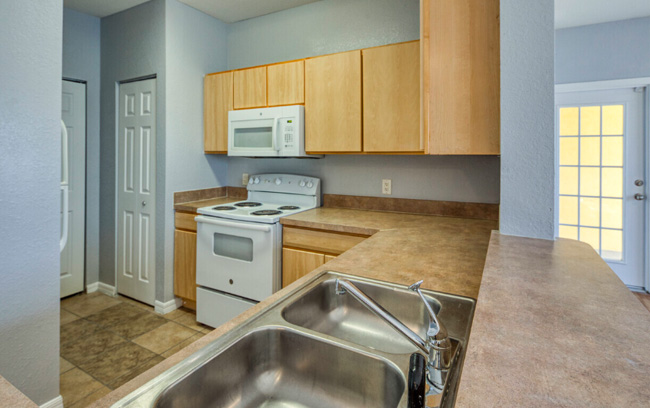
(136, 190)
(600, 187)
(73, 114)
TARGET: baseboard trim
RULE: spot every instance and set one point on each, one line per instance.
(93, 287)
(167, 307)
(54, 403)
(107, 289)
(640, 289)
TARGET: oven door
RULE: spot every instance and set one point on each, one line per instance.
(238, 257)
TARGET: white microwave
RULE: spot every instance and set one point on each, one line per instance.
(267, 132)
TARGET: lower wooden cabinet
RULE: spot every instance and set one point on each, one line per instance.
(296, 264)
(185, 265)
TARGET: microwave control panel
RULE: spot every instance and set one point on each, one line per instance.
(288, 132)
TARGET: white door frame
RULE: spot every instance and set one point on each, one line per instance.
(116, 140)
(85, 201)
(618, 84)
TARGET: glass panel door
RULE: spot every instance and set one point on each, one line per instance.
(600, 156)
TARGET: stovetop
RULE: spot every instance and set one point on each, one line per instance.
(270, 197)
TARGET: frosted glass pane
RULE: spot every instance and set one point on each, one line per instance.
(566, 231)
(613, 120)
(591, 236)
(568, 210)
(612, 182)
(569, 180)
(590, 181)
(612, 209)
(612, 244)
(590, 151)
(590, 120)
(612, 151)
(590, 212)
(569, 121)
(569, 151)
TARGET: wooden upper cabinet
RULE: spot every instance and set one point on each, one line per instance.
(250, 88)
(217, 101)
(391, 98)
(333, 103)
(286, 83)
(460, 76)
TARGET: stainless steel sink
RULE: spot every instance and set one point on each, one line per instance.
(343, 317)
(277, 367)
(313, 348)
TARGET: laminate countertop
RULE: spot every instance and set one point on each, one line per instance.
(553, 326)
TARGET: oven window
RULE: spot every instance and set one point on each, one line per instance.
(231, 246)
(254, 137)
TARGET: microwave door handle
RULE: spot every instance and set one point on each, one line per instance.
(241, 225)
(276, 134)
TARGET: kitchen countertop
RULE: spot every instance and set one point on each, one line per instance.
(568, 332)
(554, 326)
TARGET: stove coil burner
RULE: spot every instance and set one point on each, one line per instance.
(266, 212)
(289, 207)
(224, 208)
(248, 204)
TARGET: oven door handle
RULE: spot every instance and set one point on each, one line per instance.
(241, 225)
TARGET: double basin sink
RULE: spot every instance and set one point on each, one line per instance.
(315, 348)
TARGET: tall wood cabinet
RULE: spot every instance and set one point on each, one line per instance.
(391, 99)
(460, 76)
(333, 103)
(217, 101)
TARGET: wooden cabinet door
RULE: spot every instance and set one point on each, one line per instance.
(250, 88)
(461, 76)
(329, 258)
(286, 83)
(333, 103)
(185, 264)
(391, 98)
(296, 264)
(217, 101)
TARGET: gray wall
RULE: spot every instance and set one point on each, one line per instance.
(195, 45)
(527, 119)
(600, 52)
(81, 41)
(132, 46)
(30, 175)
(331, 26)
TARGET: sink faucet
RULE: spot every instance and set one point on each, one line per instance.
(436, 347)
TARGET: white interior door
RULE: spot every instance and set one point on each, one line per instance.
(73, 114)
(136, 185)
(601, 176)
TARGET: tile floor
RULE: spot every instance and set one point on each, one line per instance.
(107, 341)
(644, 298)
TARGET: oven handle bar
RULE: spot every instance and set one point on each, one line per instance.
(242, 225)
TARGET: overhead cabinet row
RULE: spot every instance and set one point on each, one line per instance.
(439, 95)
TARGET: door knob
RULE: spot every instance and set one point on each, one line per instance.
(144, 203)
(639, 196)
(638, 183)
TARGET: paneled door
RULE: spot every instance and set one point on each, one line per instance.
(600, 189)
(73, 114)
(136, 185)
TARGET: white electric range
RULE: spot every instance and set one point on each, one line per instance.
(239, 245)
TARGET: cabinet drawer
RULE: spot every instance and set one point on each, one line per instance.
(185, 221)
(320, 241)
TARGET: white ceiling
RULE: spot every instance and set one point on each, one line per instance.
(573, 13)
(101, 8)
(228, 11)
(231, 11)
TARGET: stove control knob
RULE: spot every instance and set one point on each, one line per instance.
(302, 183)
(256, 180)
(310, 184)
(278, 181)
(251, 180)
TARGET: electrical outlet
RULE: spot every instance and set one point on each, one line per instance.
(386, 187)
(244, 179)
